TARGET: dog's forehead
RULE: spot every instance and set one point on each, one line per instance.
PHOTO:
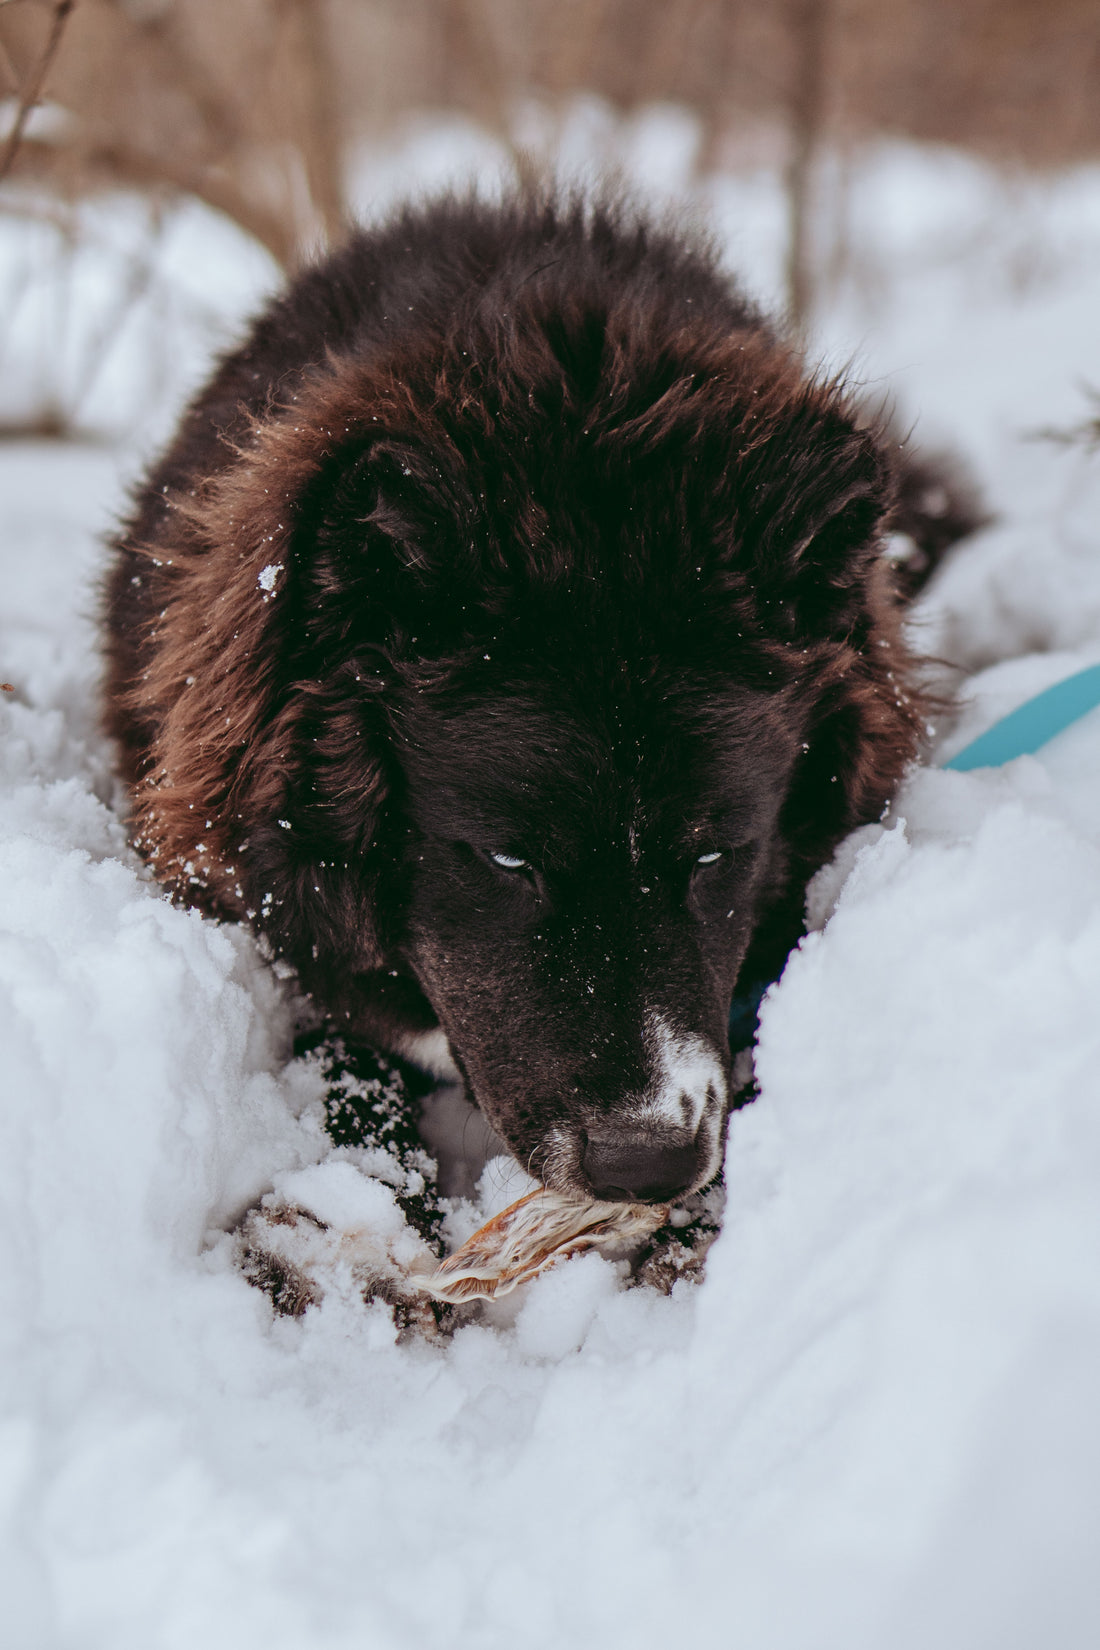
(659, 762)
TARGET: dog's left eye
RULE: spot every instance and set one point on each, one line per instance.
(510, 862)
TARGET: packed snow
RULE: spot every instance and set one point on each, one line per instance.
(875, 1423)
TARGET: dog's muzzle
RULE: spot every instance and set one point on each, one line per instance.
(665, 1140)
(622, 1167)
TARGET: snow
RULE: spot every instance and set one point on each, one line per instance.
(875, 1422)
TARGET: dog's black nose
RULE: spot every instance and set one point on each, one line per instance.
(622, 1168)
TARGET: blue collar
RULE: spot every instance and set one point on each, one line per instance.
(1033, 723)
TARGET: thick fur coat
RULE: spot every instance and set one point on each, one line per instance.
(507, 636)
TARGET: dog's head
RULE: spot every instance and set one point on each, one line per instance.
(585, 854)
(548, 680)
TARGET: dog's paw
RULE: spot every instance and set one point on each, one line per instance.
(365, 1221)
(371, 1115)
(677, 1251)
(331, 1229)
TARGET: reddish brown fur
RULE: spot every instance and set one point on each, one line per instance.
(225, 731)
(522, 436)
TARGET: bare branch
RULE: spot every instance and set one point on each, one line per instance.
(119, 163)
(8, 67)
(32, 90)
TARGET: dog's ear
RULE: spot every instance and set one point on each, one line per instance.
(380, 529)
(315, 852)
(268, 778)
(816, 497)
(369, 527)
(366, 529)
(260, 804)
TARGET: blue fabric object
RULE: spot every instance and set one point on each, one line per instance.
(1033, 723)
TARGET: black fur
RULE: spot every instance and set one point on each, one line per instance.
(515, 531)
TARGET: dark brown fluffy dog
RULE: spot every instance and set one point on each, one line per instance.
(507, 636)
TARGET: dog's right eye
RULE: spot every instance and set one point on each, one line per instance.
(510, 862)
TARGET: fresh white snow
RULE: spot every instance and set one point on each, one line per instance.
(876, 1421)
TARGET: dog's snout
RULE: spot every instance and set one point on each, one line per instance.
(625, 1168)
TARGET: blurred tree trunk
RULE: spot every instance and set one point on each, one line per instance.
(808, 24)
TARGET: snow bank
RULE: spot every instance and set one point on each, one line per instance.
(874, 1423)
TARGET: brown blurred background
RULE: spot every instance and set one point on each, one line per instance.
(257, 106)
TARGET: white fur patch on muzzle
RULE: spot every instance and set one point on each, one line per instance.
(686, 1084)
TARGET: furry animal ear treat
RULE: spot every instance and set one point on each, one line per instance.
(530, 1236)
(296, 1255)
